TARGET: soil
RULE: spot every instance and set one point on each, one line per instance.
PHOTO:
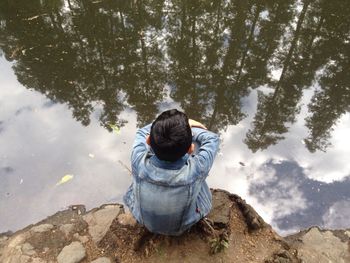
(249, 238)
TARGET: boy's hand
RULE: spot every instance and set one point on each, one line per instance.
(197, 124)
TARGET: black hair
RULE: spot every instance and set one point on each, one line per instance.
(171, 135)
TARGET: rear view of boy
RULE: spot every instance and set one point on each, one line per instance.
(168, 193)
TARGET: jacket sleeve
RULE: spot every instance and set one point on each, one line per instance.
(208, 148)
(140, 147)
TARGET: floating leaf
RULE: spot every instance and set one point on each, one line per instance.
(115, 128)
(65, 179)
(33, 17)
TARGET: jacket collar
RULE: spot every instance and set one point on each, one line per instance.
(169, 165)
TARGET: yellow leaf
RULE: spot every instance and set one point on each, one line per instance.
(65, 179)
(115, 128)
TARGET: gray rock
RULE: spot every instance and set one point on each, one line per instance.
(102, 260)
(67, 228)
(42, 228)
(220, 213)
(100, 220)
(38, 260)
(73, 253)
(322, 247)
(82, 239)
(17, 240)
(3, 239)
(127, 219)
(28, 249)
(17, 258)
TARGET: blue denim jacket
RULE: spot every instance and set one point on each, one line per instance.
(169, 197)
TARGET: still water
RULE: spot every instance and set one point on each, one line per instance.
(77, 78)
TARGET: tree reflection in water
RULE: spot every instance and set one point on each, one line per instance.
(105, 56)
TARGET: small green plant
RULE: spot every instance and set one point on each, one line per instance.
(218, 244)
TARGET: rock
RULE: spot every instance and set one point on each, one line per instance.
(101, 260)
(220, 212)
(72, 253)
(82, 239)
(3, 239)
(12, 251)
(315, 246)
(18, 258)
(42, 228)
(67, 228)
(17, 240)
(282, 256)
(127, 219)
(252, 218)
(347, 233)
(28, 249)
(38, 260)
(79, 209)
(100, 220)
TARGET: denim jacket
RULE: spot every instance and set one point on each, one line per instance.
(169, 197)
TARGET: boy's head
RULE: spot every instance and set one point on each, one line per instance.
(171, 136)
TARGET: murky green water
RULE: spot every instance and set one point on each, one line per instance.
(272, 77)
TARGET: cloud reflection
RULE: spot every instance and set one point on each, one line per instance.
(40, 144)
(298, 201)
(289, 186)
(270, 77)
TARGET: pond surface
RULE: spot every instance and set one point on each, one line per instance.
(77, 78)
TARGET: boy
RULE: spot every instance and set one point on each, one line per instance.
(168, 193)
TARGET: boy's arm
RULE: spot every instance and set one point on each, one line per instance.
(140, 146)
(208, 148)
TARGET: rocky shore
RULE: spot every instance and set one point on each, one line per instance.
(233, 232)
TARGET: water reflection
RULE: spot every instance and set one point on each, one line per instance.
(40, 143)
(237, 63)
(317, 45)
(87, 54)
(284, 181)
(211, 53)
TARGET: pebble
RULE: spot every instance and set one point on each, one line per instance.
(73, 253)
(18, 240)
(38, 260)
(42, 228)
(127, 219)
(83, 239)
(28, 249)
(347, 233)
(101, 260)
(3, 239)
(67, 228)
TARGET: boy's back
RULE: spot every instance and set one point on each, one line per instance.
(168, 196)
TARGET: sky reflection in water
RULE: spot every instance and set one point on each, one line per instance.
(270, 78)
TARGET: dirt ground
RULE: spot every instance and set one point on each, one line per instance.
(237, 232)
